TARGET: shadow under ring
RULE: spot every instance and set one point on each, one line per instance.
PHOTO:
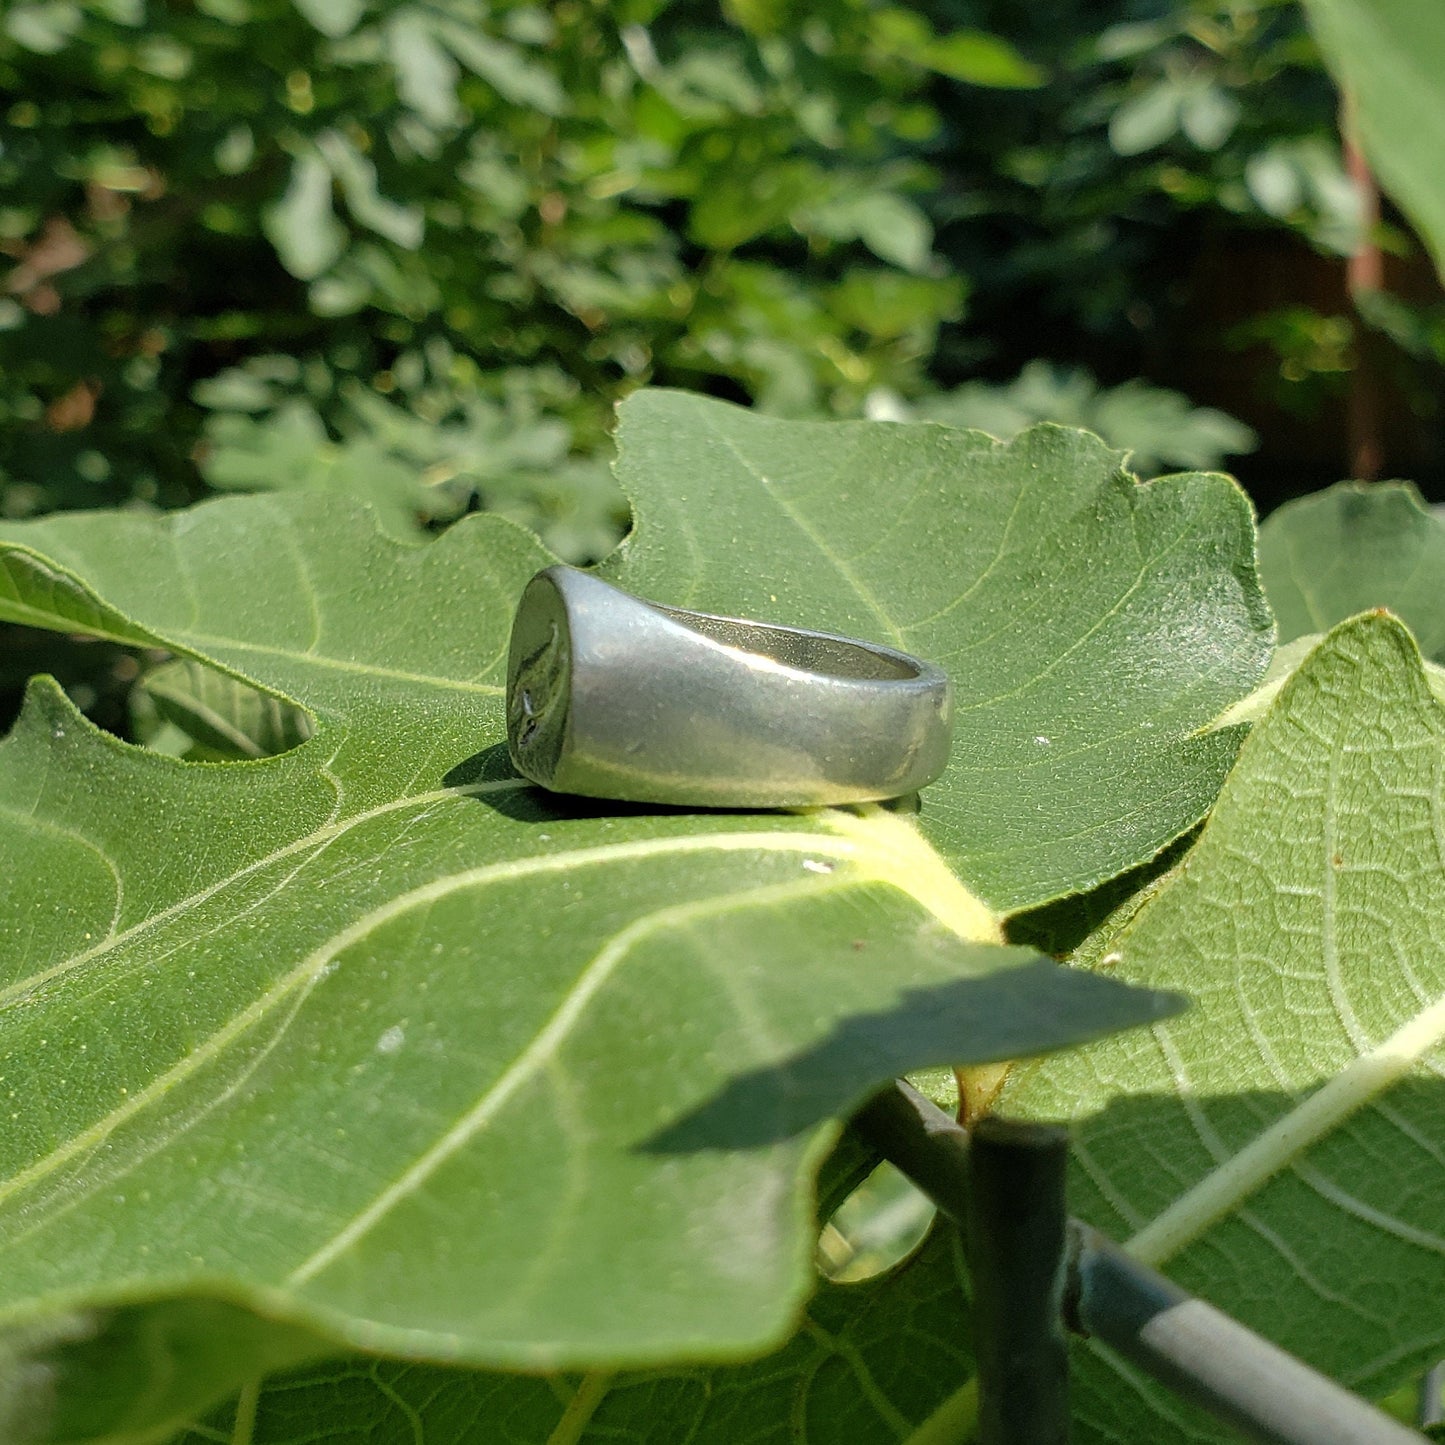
(609, 696)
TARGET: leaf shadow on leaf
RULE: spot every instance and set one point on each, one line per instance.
(850, 1375)
(1062, 926)
(128, 1372)
(1028, 1009)
(1333, 1298)
(899, 1339)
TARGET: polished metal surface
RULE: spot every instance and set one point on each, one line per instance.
(613, 697)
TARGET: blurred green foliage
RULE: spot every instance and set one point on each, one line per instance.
(1161, 117)
(1158, 427)
(360, 223)
(417, 248)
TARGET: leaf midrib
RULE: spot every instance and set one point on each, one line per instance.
(339, 664)
(898, 854)
(861, 590)
(1220, 1192)
(543, 1046)
(311, 967)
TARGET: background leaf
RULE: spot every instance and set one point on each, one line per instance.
(225, 717)
(1158, 429)
(302, 225)
(1359, 545)
(334, 18)
(1388, 55)
(426, 74)
(136, 1376)
(892, 228)
(581, 187)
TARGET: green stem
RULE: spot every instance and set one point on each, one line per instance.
(247, 1403)
(581, 1408)
(955, 1422)
(920, 1140)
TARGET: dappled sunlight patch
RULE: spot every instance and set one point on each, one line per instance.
(877, 1227)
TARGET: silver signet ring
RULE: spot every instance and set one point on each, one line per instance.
(613, 697)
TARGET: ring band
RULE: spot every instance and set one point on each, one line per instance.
(613, 697)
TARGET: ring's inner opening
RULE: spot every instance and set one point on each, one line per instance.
(809, 652)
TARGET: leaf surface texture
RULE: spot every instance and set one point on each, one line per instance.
(373, 1037)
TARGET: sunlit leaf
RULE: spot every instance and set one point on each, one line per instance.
(371, 1036)
(1273, 1148)
(332, 17)
(1091, 625)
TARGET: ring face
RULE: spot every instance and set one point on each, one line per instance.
(613, 697)
(539, 667)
